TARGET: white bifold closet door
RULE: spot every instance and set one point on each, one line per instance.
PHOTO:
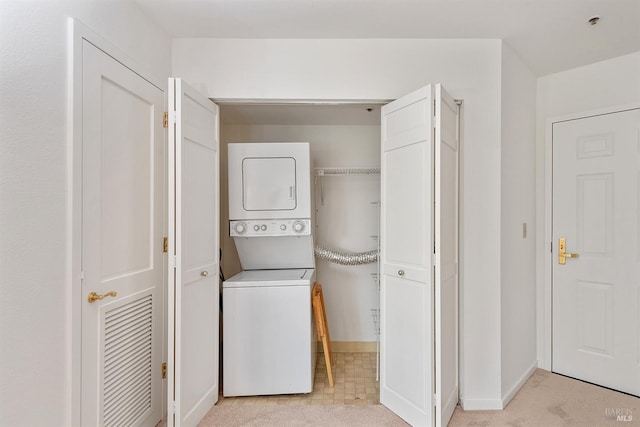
(193, 300)
(419, 251)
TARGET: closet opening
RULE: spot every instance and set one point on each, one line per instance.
(344, 141)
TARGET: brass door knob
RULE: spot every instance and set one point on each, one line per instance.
(93, 297)
(205, 273)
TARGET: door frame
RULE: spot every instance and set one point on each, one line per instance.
(77, 33)
(221, 102)
(544, 236)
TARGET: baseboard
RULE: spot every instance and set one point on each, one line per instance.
(481, 404)
(351, 346)
(506, 398)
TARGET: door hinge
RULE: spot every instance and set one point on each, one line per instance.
(433, 122)
(165, 244)
(435, 400)
(164, 370)
(169, 118)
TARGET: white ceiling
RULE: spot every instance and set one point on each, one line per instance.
(550, 35)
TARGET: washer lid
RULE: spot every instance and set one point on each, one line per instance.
(288, 277)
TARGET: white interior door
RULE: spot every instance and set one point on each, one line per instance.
(596, 296)
(193, 245)
(446, 250)
(122, 259)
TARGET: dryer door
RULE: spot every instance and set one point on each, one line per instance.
(268, 183)
(269, 180)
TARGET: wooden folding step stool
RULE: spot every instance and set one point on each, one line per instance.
(322, 327)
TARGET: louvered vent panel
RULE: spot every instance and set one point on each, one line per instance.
(127, 363)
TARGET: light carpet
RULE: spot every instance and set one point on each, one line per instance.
(305, 415)
(546, 400)
(549, 400)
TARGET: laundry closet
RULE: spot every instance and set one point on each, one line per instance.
(405, 306)
(384, 178)
(344, 141)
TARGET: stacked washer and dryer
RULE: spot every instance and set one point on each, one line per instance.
(269, 343)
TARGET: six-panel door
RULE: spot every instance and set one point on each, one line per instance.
(596, 295)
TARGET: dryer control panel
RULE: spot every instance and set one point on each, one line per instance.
(270, 227)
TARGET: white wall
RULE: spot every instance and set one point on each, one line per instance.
(604, 84)
(388, 69)
(345, 220)
(34, 310)
(518, 198)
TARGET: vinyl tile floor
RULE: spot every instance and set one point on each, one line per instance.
(354, 377)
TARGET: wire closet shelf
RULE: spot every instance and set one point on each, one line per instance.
(341, 171)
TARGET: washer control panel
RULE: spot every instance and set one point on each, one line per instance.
(270, 227)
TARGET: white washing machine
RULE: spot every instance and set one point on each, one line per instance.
(269, 343)
(269, 337)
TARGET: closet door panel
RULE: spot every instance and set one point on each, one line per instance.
(406, 237)
(407, 213)
(407, 186)
(193, 297)
(407, 350)
(406, 125)
(446, 250)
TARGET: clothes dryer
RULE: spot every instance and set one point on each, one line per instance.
(270, 204)
(269, 180)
